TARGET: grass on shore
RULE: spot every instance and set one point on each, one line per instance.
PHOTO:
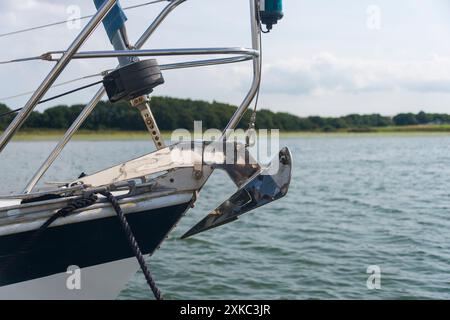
(31, 135)
(46, 134)
(417, 128)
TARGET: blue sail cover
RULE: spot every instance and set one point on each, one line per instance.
(115, 19)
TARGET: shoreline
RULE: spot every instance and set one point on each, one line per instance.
(85, 135)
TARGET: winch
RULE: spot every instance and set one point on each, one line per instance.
(271, 11)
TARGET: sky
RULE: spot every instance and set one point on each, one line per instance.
(325, 58)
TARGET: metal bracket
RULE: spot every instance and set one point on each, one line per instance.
(142, 103)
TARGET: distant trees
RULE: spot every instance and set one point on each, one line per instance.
(174, 113)
(5, 119)
(423, 118)
(409, 119)
(405, 119)
(3, 108)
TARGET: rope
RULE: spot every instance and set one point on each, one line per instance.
(9, 112)
(134, 245)
(71, 91)
(81, 18)
(19, 95)
(64, 212)
(55, 97)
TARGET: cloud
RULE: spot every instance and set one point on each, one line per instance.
(297, 77)
(325, 73)
(19, 13)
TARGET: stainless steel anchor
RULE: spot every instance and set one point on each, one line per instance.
(267, 185)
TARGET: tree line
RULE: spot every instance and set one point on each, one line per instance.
(172, 113)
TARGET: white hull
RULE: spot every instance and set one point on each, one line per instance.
(101, 282)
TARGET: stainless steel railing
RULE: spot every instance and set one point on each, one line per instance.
(242, 54)
(55, 72)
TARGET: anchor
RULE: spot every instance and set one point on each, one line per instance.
(267, 185)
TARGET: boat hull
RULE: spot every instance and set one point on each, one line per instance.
(96, 250)
(100, 282)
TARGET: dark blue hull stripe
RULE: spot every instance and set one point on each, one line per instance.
(83, 244)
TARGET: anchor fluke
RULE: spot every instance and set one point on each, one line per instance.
(270, 184)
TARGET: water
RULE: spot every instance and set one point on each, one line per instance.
(355, 201)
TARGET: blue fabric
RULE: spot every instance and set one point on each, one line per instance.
(115, 19)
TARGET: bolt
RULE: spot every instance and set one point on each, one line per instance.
(284, 159)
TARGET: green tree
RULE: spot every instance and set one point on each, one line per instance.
(405, 119)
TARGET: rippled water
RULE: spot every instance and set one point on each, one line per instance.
(354, 201)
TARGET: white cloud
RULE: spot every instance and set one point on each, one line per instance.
(328, 73)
